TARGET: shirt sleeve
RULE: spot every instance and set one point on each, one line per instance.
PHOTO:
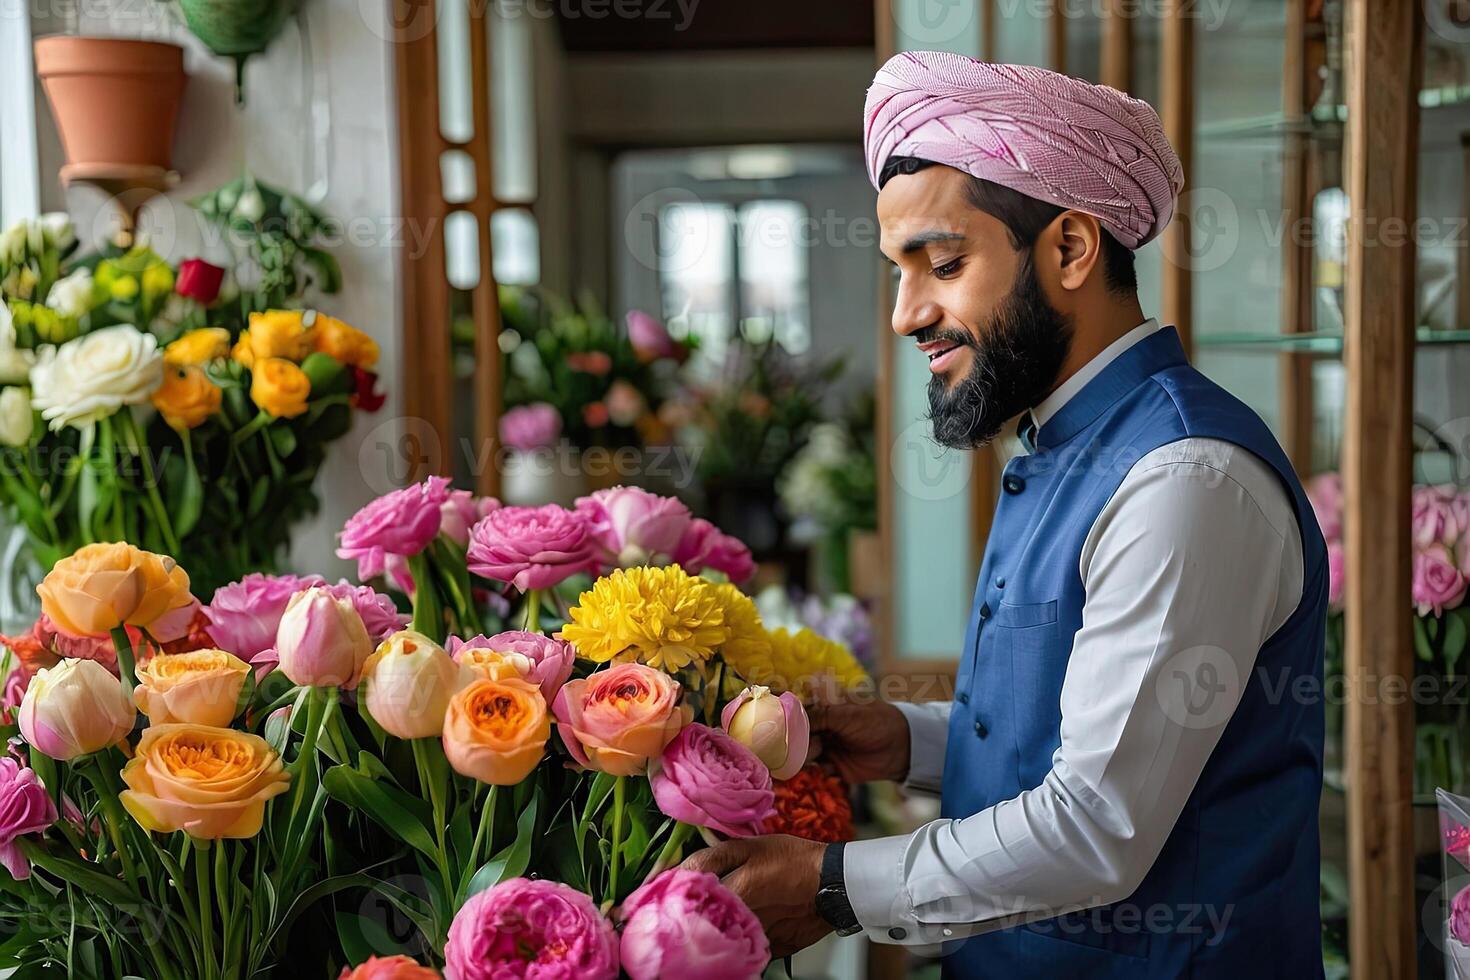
(1190, 567)
(928, 735)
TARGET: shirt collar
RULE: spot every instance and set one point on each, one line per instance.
(1068, 389)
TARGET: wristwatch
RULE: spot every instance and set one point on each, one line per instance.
(832, 903)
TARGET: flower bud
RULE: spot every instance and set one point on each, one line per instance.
(407, 684)
(75, 708)
(322, 641)
(774, 728)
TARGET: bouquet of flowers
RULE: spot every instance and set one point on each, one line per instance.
(319, 785)
(124, 417)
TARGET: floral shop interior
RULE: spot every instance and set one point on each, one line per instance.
(463, 474)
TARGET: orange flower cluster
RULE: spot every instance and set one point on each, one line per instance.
(813, 805)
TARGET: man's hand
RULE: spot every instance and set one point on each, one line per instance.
(778, 878)
(865, 743)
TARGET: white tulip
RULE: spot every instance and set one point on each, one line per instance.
(16, 418)
(91, 377)
(13, 242)
(72, 295)
(58, 229)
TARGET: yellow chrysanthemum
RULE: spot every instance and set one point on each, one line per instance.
(663, 617)
(808, 665)
(748, 650)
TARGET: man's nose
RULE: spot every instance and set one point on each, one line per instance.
(912, 311)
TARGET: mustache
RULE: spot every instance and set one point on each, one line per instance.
(926, 335)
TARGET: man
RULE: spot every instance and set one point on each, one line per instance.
(1129, 775)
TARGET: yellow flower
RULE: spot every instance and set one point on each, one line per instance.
(124, 288)
(200, 687)
(810, 666)
(209, 782)
(664, 617)
(199, 346)
(749, 646)
(344, 342)
(275, 333)
(158, 279)
(279, 387)
(187, 397)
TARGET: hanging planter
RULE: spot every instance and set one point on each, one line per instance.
(115, 101)
(237, 28)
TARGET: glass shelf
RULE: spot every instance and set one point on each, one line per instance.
(1322, 122)
(1314, 342)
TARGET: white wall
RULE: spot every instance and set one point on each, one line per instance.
(319, 119)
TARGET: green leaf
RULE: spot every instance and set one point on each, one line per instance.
(84, 876)
(513, 859)
(401, 815)
(362, 937)
(258, 495)
(187, 508)
(324, 264)
(1455, 635)
(1421, 641)
(282, 439)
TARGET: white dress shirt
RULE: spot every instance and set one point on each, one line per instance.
(1198, 548)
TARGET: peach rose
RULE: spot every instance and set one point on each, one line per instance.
(496, 731)
(73, 709)
(208, 782)
(200, 687)
(407, 684)
(102, 586)
(617, 719)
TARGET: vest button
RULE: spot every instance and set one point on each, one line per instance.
(1000, 581)
(1013, 484)
(898, 934)
(980, 729)
(985, 610)
(963, 697)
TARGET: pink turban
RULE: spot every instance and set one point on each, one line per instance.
(1080, 146)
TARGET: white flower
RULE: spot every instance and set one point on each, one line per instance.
(13, 243)
(15, 362)
(16, 419)
(91, 377)
(58, 229)
(72, 295)
(250, 207)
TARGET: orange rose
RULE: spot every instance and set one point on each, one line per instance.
(187, 397)
(344, 342)
(208, 782)
(201, 687)
(279, 387)
(102, 586)
(617, 719)
(496, 731)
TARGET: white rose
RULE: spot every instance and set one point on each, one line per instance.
(72, 295)
(58, 229)
(16, 420)
(15, 365)
(91, 377)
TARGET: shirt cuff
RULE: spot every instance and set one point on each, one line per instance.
(928, 735)
(873, 876)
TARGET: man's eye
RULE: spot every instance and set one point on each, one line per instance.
(947, 271)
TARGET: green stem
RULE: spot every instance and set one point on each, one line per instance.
(125, 659)
(668, 855)
(206, 901)
(112, 815)
(138, 447)
(305, 764)
(619, 793)
(486, 831)
(533, 611)
(428, 611)
(261, 420)
(435, 791)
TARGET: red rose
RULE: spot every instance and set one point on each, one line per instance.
(199, 281)
(364, 398)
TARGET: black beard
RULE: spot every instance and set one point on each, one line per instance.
(1015, 362)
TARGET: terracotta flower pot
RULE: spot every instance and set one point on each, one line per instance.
(116, 102)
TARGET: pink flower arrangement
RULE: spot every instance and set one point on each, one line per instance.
(243, 616)
(401, 523)
(531, 547)
(25, 808)
(1438, 583)
(532, 929)
(708, 779)
(706, 546)
(551, 659)
(530, 427)
(687, 924)
(634, 527)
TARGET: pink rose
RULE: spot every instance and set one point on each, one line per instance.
(1336, 574)
(649, 338)
(25, 808)
(708, 779)
(617, 719)
(687, 924)
(243, 616)
(539, 930)
(1438, 584)
(705, 546)
(1462, 554)
(530, 427)
(531, 547)
(1324, 492)
(551, 660)
(379, 616)
(1460, 915)
(634, 527)
(1434, 516)
(403, 522)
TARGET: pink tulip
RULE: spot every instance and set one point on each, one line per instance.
(705, 546)
(244, 615)
(550, 660)
(634, 527)
(379, 616)
(534, 929)
(531, 547)
(649, 338)
(1437, 584)
(460, 513)
(322, 641)
(773, 727)
(687, 924)
(25, 808)
(708, 779)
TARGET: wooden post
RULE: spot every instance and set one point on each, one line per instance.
(1177, 98)
(1382, 66)
(1056, 40)
(1296, 250)
(1462, 255)
(988, 43)
(485, 299)
(1116, 63)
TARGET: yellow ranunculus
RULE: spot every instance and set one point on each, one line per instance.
(199, 346)
(275, 333)
(102, 586)
(187, 397)
(200, 687)
(344, 342)
(279, 387)
(208, 782)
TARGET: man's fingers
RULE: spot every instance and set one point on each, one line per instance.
(719, 860)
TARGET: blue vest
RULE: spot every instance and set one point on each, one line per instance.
(1246, 843)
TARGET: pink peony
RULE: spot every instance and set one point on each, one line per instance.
(1324, 492)
(552, 659)
(403, 522)
(25, 808)
(687, 924)
(706, 546)
(634, 527)
(708, 779)
(1438, 584)
(1460, 915)
(530, 427)
(531, 547)
(1336, 574)
(649, 338)
(243, 615)
(1434, 517)
(539, 930)
(379, 616)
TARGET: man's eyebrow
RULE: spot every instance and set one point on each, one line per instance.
(928, 237)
